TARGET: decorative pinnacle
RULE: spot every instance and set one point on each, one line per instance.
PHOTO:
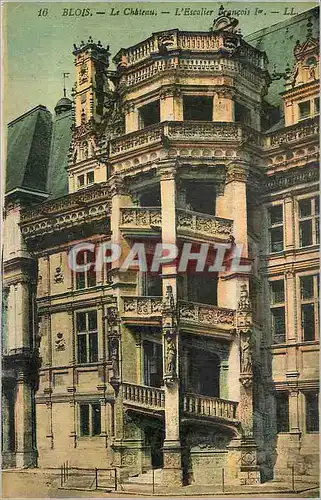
(309, 28)
(90, 44)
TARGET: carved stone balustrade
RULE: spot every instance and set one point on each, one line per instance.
(140, 219)
(300, 131)
(142, 309)
(181, 41)
(143, 396)
(205, 406)
(189, 131)
(71, 211)
(193, 314)
(214, 227)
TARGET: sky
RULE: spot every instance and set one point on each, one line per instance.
(39, 38)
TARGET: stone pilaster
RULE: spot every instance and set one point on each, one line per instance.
(249, 471)
(26, 454)
(172, 472)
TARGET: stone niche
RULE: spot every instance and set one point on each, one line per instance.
(208, 451)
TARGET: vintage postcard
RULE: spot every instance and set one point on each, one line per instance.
(160, 315)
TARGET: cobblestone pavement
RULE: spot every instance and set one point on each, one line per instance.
(42, 484)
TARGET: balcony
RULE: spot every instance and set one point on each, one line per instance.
(208, 407)
(151, 399)
(193, 316)
(197, 132)
(147, 221)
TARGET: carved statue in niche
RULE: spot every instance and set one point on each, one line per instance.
(169, 302)
(58, 276)
(246, 355)
(171, 352)
(60, 343)
(114, 355)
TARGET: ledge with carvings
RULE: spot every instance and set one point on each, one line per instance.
(91, 204)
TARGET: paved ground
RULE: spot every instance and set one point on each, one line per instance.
(42, 484)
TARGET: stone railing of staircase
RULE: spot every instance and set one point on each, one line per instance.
(195, 404)
(143, 396)
(209, 407)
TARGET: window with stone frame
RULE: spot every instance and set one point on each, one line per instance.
(309, 297)
(149, 114)
(87, 278)
(242, 113)
(304, 110)
(309, 233)
(87, 336)
(312, 412)
(277, 300)
(275, 224)
(282, 411)
(89, 419)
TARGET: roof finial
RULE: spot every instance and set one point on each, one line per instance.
(65, 75)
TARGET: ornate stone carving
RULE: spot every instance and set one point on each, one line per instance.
(113, 346)
(244, 304)
(58, 276)
(117, 186)
(171, 358)
(141, 217)
(214, 226)
(60, 343)
(203, 314)
(142, 306)
(169, 301)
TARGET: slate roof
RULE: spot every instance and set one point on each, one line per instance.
(28, 142)
(57, 182)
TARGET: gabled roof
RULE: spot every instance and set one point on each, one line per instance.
(28, 150)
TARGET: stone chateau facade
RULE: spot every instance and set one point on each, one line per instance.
(184, 372)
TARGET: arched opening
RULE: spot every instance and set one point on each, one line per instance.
(203, 373)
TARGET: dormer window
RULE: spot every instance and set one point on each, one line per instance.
(90, 178)
(304, 110)
(87, 179)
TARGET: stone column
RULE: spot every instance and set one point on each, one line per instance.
(172, 472)
(294, 441)
(26, 455)
(223, 107)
